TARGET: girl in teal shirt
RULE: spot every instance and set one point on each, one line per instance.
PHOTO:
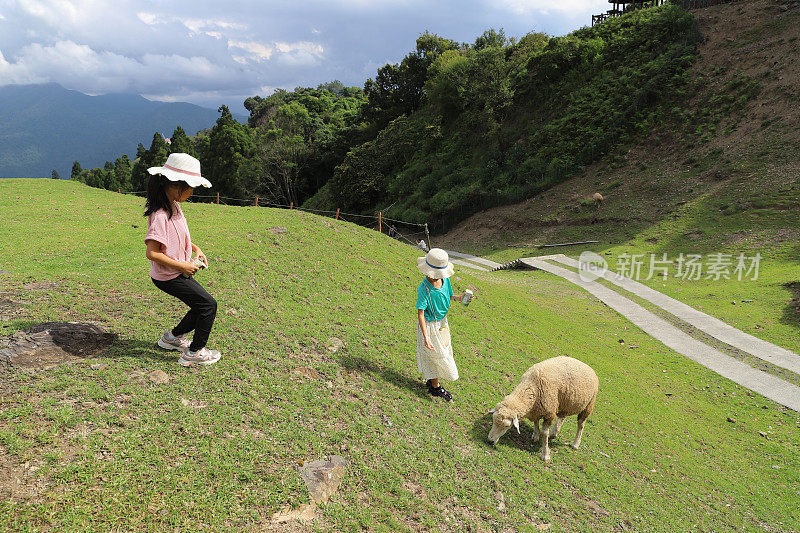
(434, 348)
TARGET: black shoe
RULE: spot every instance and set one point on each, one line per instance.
(439, 391)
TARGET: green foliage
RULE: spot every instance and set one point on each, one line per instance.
(513, 119)
(180, 143)
(398, 89)
(224, 158)
(76, 170)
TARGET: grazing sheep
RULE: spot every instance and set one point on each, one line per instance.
(550, 390)
(598, 199)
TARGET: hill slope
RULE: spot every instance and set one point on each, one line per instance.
(46, 127)
(217, 447)
(725, 161)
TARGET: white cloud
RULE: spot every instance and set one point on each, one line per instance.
(255, 51)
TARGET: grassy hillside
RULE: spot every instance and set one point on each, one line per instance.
(110, 450)
(720, 176)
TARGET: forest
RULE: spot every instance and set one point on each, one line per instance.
(452, 129)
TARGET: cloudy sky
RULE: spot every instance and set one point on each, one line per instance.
(212, 53)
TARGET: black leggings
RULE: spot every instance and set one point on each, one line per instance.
(202, 308)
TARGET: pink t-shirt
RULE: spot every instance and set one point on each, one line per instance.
(173, 234)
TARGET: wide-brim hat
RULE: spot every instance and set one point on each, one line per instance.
(182, 167)
(436, 265)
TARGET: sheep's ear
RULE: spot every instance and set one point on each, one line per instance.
(490, 411)
(516, 424)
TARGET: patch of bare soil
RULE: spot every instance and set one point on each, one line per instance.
(759, 39)
(20, 482)
(53, 343)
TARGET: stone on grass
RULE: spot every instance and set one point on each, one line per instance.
(323, 477)
(305, 514)
(334, 344)
(306, 372)
(193, 404)
(159, 377)
(98, 366)
(278, 230)
(49, 344)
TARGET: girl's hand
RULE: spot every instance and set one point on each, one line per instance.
(190, 269)
(201, 256)
(428, 343)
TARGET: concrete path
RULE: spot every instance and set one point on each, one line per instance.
(756, 380)
(718, 329)
(468, 260)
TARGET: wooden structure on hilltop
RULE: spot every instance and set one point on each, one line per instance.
(620, 7)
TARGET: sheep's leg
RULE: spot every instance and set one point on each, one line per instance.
(546, 423)
(536, 434)
(555, 431)
(581, 421)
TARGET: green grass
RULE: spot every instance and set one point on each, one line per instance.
(114, 451)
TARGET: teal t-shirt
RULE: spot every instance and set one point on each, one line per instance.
(439, 298)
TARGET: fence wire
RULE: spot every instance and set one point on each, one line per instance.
(371, 221)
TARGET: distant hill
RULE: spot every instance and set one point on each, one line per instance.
(46, 127)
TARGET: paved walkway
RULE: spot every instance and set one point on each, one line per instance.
(718, 329)
(756, 380)
(472, 261)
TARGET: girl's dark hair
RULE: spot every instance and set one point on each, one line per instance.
(157, 195)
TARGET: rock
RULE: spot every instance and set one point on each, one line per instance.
(193, 404)
(159, 377)
(501, 501)
(309, 373)
(323, 477)
(731, 420)
(49, 344)
(98, 366)
(334, 344)
(305, 514)
(278, 230)
(543, 527)
(763, 434)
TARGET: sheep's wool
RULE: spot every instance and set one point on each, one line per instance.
(437, 363)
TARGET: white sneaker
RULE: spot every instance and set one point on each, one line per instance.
(203, 356)
(169, 342)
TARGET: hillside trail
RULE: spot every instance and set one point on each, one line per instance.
(766, 384)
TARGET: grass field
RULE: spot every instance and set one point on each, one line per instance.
(106, 449)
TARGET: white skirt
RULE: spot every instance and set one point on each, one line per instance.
(437, 363)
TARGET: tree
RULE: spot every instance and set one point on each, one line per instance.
(491, 39)
(76, 171)
(180, 143)
(398, 89)
(230, 144)
(54, 175)
(122, 173)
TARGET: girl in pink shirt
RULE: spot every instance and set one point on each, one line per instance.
(170, 248)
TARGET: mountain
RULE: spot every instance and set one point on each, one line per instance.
(46, 127)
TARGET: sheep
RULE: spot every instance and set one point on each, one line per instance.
(598, 199)
(550, 390)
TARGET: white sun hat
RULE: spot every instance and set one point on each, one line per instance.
(436, 264)
(182, 167)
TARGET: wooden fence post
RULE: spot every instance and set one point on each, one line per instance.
(256, 201)
(380, 229)
(337, 213)
(217, 197)
(291, 205)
